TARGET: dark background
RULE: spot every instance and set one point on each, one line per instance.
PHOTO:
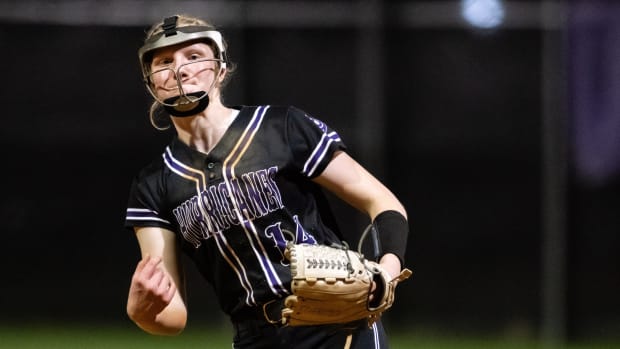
(501, 143)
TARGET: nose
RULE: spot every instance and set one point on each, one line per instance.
(178, 67)
(178, 71)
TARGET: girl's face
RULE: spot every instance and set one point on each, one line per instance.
(190, 67)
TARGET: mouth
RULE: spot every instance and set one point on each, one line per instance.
(188, 98)
(185, 88)
(188, 104)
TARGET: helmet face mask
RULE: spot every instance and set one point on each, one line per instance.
(184, 104)
(169, 79)
(181, 35)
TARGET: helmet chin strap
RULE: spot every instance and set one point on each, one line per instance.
(187, 104)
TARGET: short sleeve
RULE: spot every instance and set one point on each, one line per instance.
(145, 207)
(312, 142)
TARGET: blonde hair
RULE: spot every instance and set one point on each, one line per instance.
(158, 117)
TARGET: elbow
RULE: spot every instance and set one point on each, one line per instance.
(169, 328)
(163, 331)
(164, 324)
(176, 327)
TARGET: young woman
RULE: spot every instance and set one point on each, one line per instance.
(232, 188)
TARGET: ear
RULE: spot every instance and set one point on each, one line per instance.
(222, 75)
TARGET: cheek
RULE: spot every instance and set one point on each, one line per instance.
(159, 79)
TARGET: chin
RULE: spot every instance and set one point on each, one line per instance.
(193, 89)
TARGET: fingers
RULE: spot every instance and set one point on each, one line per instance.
(152, 289)
(170, 292)
(161, 282)
(145, 266)
(150, 265)
(373, 288)
(151, 277)
(158, 280)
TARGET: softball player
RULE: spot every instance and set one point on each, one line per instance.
(234, 185)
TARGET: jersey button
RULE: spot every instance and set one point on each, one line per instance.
(211, 175)
(210, 165)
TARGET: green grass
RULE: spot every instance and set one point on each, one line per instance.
(105, 337)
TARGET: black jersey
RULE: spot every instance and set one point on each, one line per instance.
(234, 209)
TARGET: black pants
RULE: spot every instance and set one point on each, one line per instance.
(259, 334)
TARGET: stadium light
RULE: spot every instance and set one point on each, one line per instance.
(485, 14)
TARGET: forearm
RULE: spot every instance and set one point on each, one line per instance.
(169, 322)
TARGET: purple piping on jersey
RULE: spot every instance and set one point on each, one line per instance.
(245, 140)
(319, 153)
(185, 171)
(228, 172)
(191, 174)
(274, 281)
(220, 240)
(143, 214)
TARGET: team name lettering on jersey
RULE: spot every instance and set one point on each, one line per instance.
(256, 194)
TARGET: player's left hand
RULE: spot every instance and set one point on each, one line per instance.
(391, 265)
(332, 284)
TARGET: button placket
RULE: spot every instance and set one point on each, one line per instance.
(211, 170)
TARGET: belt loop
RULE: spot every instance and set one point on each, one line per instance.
(267, 312)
